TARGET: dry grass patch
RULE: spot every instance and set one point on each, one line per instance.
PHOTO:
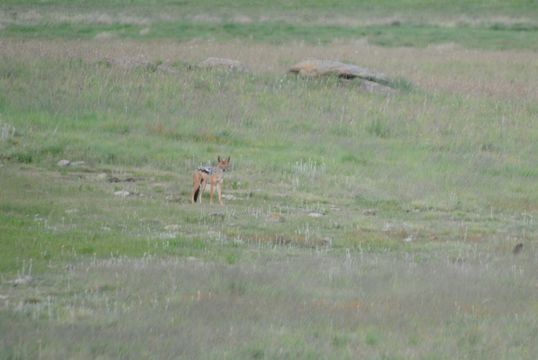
(497, 74)
(274, 304)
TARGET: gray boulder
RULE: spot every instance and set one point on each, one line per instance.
(318, 68)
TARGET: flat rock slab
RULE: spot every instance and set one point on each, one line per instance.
(222, 63)
(122, 193)
(317, 68)
(376, 88)
(21, 280)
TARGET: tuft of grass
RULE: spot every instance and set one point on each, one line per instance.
(377, 128)
(372, 338)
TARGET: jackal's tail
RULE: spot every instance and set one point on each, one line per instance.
(197, 193)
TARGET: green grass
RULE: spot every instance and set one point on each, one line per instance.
(413, 23)
(293, 147)
(492, 37)
(470, 8)
(307, 306)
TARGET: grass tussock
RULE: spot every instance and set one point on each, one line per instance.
(273, 306)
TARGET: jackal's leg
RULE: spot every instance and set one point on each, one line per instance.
(203, 183)
(219, 191)
(195, 187)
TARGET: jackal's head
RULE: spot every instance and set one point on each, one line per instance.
(223, 164)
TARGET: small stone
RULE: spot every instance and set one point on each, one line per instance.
(23, 280)
(172, 227)
(376, 88)
(64, 163)
(218, 215)
(122, 193)
(315, 214)
(173, 198)
(369, 212)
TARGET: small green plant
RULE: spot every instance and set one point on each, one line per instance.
(378, 128)
(372, 338)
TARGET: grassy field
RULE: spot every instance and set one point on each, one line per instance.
(355, 225)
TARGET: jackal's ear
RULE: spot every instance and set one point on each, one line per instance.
(218, 158)
(228, 159)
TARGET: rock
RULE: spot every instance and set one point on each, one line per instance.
(167, 69)
(316, 68)
(370, 81)
(376, 88)
(122, 193)
(222, 63)
(102, 176)
(369, 212)
(63, 163)
(22, 280)
(315, 214)
(115, 179)
(172, 227)
(228, 197)
(218, 215)
(173, 198)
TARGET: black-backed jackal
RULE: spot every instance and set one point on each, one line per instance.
(212, 175)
